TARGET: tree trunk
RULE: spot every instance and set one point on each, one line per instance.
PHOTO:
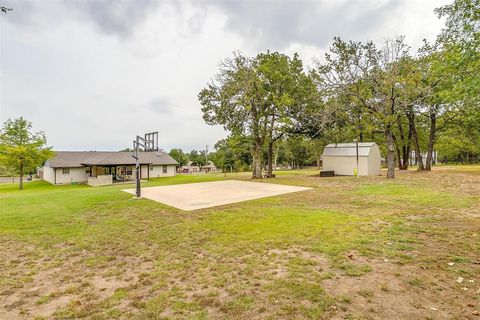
(431, 140)
(275, 158)
(257, 161)
(416, 144)
(404, 149)
(399, 154)
(21, 176)
(270, 160)
(406, 156)
(390, 153)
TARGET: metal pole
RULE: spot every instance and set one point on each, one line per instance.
(206, 157)
(137, 171)
(356, 151)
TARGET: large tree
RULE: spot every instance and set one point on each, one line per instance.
(259, 97)
(289, 91)
(22, 149)
(454, 61)
(179, 156)
(236, 100)
(370, 79)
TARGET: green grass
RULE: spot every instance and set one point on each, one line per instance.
(267, 257)
(392, 193)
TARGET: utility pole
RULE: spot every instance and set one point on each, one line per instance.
(206, 157)
(356, 152)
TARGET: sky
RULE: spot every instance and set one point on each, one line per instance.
(94, 74)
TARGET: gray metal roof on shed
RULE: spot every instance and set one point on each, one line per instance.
(348, 149)
(64, 159)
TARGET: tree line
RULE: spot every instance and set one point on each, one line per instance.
(421, 102)
(278, 111)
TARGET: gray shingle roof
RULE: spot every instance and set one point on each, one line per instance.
(63, 159)
(348, 149)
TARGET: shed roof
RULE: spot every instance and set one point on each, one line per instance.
(348, 149)
(63, 159)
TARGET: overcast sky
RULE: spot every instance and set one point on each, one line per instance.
(93, 74)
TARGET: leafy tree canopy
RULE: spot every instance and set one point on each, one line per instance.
(21, 149)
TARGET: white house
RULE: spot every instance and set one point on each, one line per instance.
(190, 168)
(108, 166)
(341, 158)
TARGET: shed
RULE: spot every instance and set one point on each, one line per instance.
(342, 158)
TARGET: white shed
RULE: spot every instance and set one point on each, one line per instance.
(342, 158)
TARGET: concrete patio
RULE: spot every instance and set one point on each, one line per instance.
(193, 196)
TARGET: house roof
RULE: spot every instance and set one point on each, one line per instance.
(348, 149)
(63, 159)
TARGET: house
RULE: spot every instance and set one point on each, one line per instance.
(413, 158)
(190, 168)
(341, 158)
(105, 167)
(210, 167)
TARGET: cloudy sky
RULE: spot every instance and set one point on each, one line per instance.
(93, 74)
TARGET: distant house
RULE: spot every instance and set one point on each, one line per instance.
(342, 159)
(210, 167)
(413, 158)
(190, 168)
(108, 166)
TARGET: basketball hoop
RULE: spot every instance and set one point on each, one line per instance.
(148, 143)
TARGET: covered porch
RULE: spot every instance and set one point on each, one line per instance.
(114, 173)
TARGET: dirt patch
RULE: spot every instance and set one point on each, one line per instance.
(51, 289)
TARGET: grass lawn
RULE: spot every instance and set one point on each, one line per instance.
(350, 248)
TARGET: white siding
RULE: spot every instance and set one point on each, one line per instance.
(102, 180)
(49, 174)
(156, 171)
(344, 164)
(374, 162)
(75, 175)
(78, 175)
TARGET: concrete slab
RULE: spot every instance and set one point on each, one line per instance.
(193, 196)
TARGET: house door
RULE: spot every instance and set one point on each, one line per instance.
(111, 170)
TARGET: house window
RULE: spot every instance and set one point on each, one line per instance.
(65, 170)
(126, 171)
(151, 168)
(165, 168)
(88, 170)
